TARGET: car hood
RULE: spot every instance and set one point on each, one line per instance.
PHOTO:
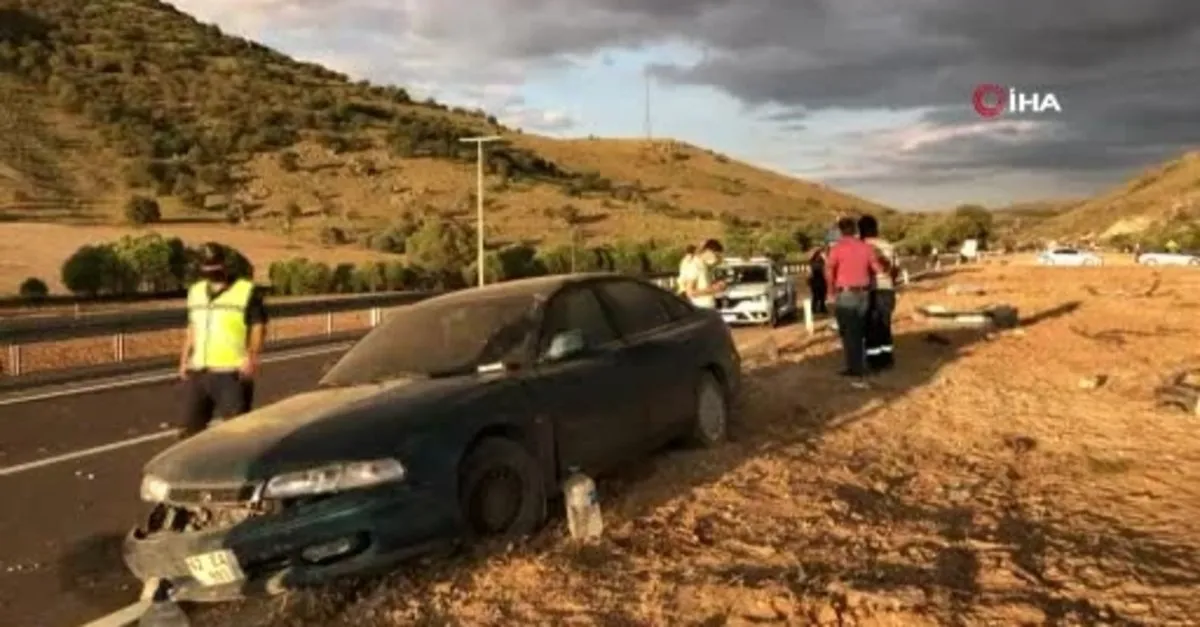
(321, 426)
(747, 290)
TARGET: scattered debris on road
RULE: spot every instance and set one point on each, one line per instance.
(1182, 391)
(1093, 382)
(990, 317)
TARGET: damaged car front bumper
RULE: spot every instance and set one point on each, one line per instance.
(229, 551)
(746, 310)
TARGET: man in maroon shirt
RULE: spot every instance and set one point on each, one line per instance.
(849, 271)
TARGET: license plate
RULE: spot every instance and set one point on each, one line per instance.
(215, 568)
(730, 317)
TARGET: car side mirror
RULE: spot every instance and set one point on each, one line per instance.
(566, 344)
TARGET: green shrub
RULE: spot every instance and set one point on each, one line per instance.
(370, 277)
(142, 210)
(333, 236)
(33, 289)
(389, 240)
(92, 270)
(442, 246)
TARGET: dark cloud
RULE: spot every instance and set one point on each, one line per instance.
(1127, 72)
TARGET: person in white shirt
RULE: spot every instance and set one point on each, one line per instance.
(700, 286)
(685, 268)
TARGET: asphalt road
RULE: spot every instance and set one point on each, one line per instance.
(63, 522)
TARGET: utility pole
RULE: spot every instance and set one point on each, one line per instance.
(479, 142)
(646, 75)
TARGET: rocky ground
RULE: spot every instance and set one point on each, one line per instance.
(1022, 477)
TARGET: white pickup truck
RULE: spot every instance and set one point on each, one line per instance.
(758, 292)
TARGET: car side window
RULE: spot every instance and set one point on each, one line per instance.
(576, 309)
(637, 308)
(676, 307)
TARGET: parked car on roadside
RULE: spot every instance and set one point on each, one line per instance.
(1168, 259)
(457, 418)
(758, 293)
(1069, 257)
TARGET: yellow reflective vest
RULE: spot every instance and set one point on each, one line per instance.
(219, 331)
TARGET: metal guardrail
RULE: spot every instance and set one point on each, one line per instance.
(17, 333)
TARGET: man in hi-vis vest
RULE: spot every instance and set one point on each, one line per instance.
(227, 322)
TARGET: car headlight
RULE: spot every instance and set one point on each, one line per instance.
(154, 490)
(334, 478)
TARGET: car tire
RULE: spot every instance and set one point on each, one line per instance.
(773, 318)
(711, 425)
(1193, 262)
(1150, 262)
(503, 465)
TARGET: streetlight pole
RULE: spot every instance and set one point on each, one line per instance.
(479, 142)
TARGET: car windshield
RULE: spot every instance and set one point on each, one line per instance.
(438, 337)
(749, 274)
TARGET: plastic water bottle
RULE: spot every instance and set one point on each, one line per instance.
(583, 507)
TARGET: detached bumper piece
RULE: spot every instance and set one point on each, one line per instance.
(209, 554)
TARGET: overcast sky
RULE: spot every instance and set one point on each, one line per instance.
(873, 96)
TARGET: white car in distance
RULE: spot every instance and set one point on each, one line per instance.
(758, 292)
(1168, 259)
(1069, 257)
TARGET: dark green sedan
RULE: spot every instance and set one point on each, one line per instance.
(456, 418)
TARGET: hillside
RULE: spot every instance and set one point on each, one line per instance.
(1163, 202)
(105, 99)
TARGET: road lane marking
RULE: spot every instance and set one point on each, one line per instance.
(87, 452)
(157, 378)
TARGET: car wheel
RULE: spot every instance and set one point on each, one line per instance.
(501, 491)
(1150, 262)
(711, 427)
(1194, 262)
(773, 318)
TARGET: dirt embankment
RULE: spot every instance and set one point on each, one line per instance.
(981, 483)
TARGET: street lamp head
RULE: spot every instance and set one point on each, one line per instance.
(488, 138)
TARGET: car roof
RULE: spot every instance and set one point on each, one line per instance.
(534, 287)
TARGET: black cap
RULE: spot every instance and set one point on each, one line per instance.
(212, 254)
(212, 261)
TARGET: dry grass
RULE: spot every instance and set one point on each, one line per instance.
(1163, 193)
(101, 350)
(977, 484)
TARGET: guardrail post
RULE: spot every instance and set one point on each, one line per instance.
(904, 277)
(329, 323)
(119, 347)
(808, 316)
(14, 359)
(375, 317)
